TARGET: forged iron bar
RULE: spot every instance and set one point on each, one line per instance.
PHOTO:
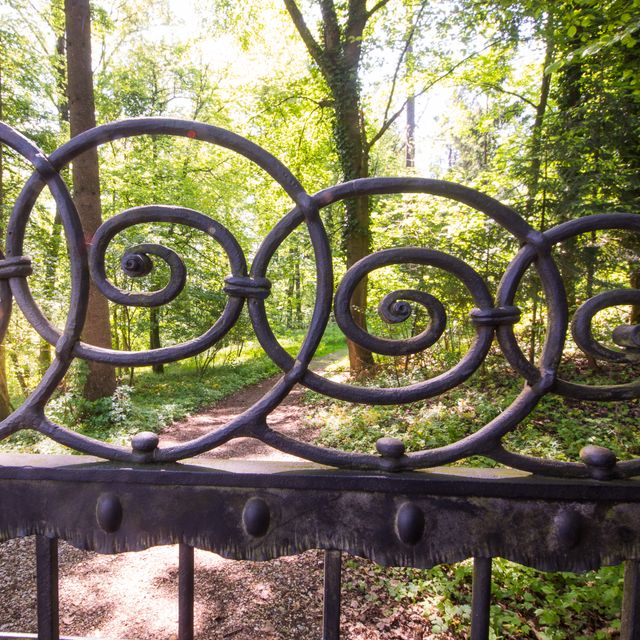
(47, 587)
(481, 599)
(630, 625)
(185, 592)
(332, 595)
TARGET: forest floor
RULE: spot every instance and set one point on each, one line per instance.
(134, 595)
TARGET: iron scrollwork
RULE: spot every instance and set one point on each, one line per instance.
(251, 284)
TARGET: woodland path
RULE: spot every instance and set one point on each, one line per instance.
(134, 595)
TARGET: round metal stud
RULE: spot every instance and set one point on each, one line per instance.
(256, 517)
(390, 448)
(410, 523)
(600, 461)
(136, 265)
(109, 512)
(145, 442)
(567, 530)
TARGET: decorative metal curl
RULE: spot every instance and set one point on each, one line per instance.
(136, 262)
(488, 318)
(389, 309)
(394, 309)
(581, 324)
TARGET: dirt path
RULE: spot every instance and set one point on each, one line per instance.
(134, 595)
(288, 418)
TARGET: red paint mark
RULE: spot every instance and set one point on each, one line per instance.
(191, 133)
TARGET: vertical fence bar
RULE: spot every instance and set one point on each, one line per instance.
(630, 627)
(47, 587)
(185, 592)
(332, 586)
(481, 598)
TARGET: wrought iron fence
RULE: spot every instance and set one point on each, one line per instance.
(396, 508)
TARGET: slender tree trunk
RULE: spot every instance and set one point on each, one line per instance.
(297, 293)
(571, 168)
(19, 372)
(535, 168)
(5, 403)
(53, 249)
(410, 155)
(101, 379)
(538, 124)
(634, 281)
(154, 336)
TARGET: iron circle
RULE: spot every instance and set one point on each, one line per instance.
(107, 133)
(502, 214)
(511, 281)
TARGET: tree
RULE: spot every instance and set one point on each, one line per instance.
(338, 59)
(5, 403)
(101, 379)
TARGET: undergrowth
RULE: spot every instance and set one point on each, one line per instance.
(526, 603)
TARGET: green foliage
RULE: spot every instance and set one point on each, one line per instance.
(542, 112)
(528, 604)
(557, 428)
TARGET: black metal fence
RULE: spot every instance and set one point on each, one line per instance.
(396, 508)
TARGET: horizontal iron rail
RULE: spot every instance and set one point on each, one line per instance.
(262, 510)
(455, 481)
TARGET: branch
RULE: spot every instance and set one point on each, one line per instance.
(320, 104)
(315, 50)
(500, 89)
(376, 7)
(403, 53)
(387, 123)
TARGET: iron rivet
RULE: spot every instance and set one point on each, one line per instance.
(109, 512)
(390, 447)
(600, 461)
(410, 523)
(256, 517)
(567, 529)
(145, 442)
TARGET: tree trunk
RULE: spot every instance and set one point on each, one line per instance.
(634, 281)
(297, 293)
(570, 169)
(5, 404)
(101, 379)
(354, 162)
(338, 58)
(154, 336)
(538, 123)
(410, 157)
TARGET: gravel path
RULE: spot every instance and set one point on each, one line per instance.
(134, 595)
